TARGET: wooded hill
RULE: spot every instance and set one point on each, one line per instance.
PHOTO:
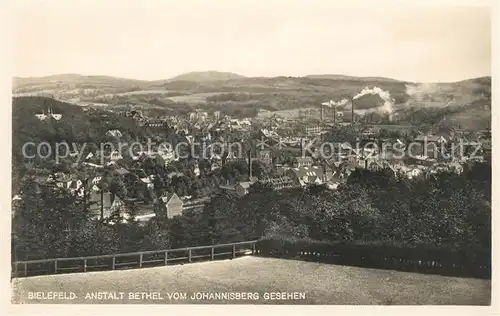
(465, 103)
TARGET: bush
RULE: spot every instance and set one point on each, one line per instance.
(469, 260)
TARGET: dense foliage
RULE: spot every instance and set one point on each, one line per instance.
(442, 210)
(466, 261)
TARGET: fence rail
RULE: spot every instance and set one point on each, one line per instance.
(440, 262)
(135, 259)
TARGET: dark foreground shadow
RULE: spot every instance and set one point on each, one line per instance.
(389, 263)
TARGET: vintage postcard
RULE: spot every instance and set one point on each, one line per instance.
(269, 153)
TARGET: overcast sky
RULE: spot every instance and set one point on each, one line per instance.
(160, 39)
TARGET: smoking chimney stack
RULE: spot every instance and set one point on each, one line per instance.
(249, 164)
(322, 113)
(352, 110)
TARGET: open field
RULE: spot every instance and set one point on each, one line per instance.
(194, 98)
(293, 113)
(321, 284)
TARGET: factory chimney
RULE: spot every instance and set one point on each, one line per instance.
(249, 164)
(322, 113)
(352, 110)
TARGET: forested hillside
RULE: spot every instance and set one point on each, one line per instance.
(465, 103)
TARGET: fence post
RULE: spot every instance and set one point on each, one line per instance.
(253, 248)
(234, 251)
(213, 255)
(189, 255)
(113, 262)
(84, 265)
(140, 260)
(25, 269)
(166, 257)
(55, 266)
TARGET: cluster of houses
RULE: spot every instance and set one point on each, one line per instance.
(194, 123)
(100, 202)
(302, 173)
(304, 170)
(333, 170)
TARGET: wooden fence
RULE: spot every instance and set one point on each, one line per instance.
(416, 260)
(141, 259)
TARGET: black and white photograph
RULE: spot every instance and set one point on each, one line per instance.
(251, 153)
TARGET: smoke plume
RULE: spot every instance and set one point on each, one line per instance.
(421, 91)
(333, 104)
(436, 95)
(384, 95)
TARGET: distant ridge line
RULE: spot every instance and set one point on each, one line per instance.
(218, 76)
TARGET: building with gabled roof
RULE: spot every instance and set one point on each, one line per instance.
(368, 133)
(169, 205)
(241, 188)
(306, 175)
(265, 156)
(279, 182)
(155, 123)
(41, 116)
(269, 133)
(104, 201)
(302, 162)
(122, 171)
(431, 139)
(115, 156)
(114, 133)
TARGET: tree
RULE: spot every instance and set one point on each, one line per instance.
(157, 234)
(117, 187)
(216, 217)
(45, 221)
(260, 170)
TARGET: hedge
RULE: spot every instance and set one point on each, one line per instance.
(467, 261)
